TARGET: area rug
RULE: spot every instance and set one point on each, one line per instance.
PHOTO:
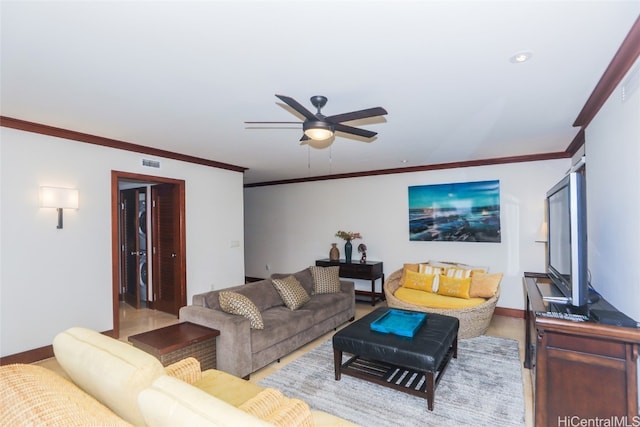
(482, 387)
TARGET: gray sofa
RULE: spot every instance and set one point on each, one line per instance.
(241, 349)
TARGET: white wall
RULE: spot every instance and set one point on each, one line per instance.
(613, 189)
(53, 279)
(289, 226)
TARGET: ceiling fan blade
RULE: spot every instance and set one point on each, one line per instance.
(304, 138)
(356, 115)
(354, 131)
(265, 123)
(297, 106)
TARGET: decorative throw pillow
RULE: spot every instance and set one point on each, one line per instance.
(419, 281)
(291, 291)
(484, 285)
(235, 303)
(408, 267)
(436, 271)
(304, 277)
(473, 268)
(326, 280)
(454, 286)
(458, 273)
(429, 269)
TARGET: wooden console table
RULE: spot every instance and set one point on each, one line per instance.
(580, 370)
(370, 270)
(179, 341)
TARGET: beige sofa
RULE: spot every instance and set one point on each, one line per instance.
(111, 383)
(243, 349)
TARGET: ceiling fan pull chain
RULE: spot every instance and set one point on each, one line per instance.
(330, 160)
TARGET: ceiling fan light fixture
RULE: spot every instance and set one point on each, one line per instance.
(317, 130)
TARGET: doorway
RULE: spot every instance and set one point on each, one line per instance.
(153, 206)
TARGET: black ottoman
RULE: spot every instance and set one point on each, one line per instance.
(385, 358)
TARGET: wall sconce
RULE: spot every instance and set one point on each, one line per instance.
(59, 198)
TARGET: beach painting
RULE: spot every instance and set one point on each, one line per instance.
(459, 212)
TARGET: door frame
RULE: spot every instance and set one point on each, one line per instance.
(116, 176)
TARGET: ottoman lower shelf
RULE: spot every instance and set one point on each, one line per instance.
(179, 341)
(411, 381)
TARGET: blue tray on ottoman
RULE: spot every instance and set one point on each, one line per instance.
(399, 322)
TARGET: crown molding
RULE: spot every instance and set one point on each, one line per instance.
(9, 122)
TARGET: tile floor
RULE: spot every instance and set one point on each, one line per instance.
(134, 321)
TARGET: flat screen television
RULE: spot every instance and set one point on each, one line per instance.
(567, 238)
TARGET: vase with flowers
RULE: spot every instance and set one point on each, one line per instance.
(348, 236)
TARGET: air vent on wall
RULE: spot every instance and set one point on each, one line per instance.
(151, 163)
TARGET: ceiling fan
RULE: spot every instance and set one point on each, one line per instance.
(319, 127)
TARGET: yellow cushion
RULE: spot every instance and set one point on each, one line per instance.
(454, 287)
(419, 281)
(432, 300)
(484, 285)
(233, 390)
(170, 402)
(408, 267)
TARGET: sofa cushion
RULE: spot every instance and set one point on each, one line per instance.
(326, 280)
(227, 387)
(261, 293)
(169, 402)
(235, 303)
(291, 291)
(432, 300)
(484, 285)
(454, 286)
(110, 370)
(35, 396)
(304, 277)
(280, 324)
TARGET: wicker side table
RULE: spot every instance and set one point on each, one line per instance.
(176, 342)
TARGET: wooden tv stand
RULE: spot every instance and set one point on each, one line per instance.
(580, 370)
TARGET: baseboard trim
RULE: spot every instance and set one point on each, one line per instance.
(29, 356)
(37, 354)
(509, 312)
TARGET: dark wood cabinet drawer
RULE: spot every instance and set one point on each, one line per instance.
(370, 270)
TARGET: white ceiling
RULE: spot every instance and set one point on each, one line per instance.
(184, 76)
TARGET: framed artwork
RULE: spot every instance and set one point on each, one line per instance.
(459, 212)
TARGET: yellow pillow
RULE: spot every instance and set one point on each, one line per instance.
(454, 286)
(419, 281)
(405, 268)
(484, 285)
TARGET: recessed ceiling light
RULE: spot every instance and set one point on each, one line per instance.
(522, 56)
